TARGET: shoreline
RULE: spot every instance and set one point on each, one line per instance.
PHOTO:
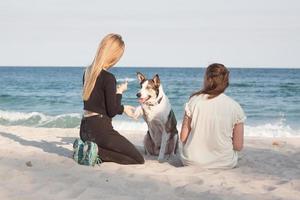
(265, 171)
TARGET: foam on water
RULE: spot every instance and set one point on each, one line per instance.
(271, 130)
(72, 120)
(126, 79)
(36, 119)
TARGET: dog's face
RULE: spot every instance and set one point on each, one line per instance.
(149, 88)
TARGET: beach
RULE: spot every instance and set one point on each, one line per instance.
(40, 118)
(36, 163)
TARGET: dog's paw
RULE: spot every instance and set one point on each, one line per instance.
(135, 118)
(161, 160)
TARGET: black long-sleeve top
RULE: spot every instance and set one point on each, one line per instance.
(103, 99)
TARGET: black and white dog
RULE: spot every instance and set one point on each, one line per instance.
(162, 134)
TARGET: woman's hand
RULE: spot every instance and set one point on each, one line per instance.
(122, 88)
(129, 110)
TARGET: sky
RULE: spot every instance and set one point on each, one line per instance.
(157, 33)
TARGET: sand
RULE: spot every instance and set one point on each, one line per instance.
(36, 163)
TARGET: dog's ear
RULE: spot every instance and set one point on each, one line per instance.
(140, 76)
(156, 80)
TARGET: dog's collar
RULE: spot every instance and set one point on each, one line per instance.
(154, 104)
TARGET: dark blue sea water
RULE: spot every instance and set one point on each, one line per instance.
(51, 96)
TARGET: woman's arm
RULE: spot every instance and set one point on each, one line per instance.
(185, 128)
(238, 137)
(112, 100)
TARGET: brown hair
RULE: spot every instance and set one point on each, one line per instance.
(216, 80)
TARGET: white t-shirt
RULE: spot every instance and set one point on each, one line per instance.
(209, 143)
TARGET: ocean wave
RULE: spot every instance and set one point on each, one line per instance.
(72, 120)
(126, 79)
(271, 130)
(36, 119)
(241, 85)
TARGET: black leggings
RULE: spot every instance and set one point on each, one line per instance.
(112, 146)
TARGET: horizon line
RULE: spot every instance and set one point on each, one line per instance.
(82, 66)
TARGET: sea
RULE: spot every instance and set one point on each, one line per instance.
(50, 97)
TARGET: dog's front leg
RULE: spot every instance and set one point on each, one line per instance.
(175, 147)
(162, 151)
(137, 113)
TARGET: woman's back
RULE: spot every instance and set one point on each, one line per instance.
(103, 98)
(210, 140)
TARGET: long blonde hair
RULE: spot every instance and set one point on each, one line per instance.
(109, 52)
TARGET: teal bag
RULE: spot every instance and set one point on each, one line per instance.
(78, 150)
(86, 153)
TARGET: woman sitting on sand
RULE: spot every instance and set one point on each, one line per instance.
(212, 129)
(102, 101)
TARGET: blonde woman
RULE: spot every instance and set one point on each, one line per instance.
(102, 101)
(213, 126)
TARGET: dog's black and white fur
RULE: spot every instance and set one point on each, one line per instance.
(162, 134)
